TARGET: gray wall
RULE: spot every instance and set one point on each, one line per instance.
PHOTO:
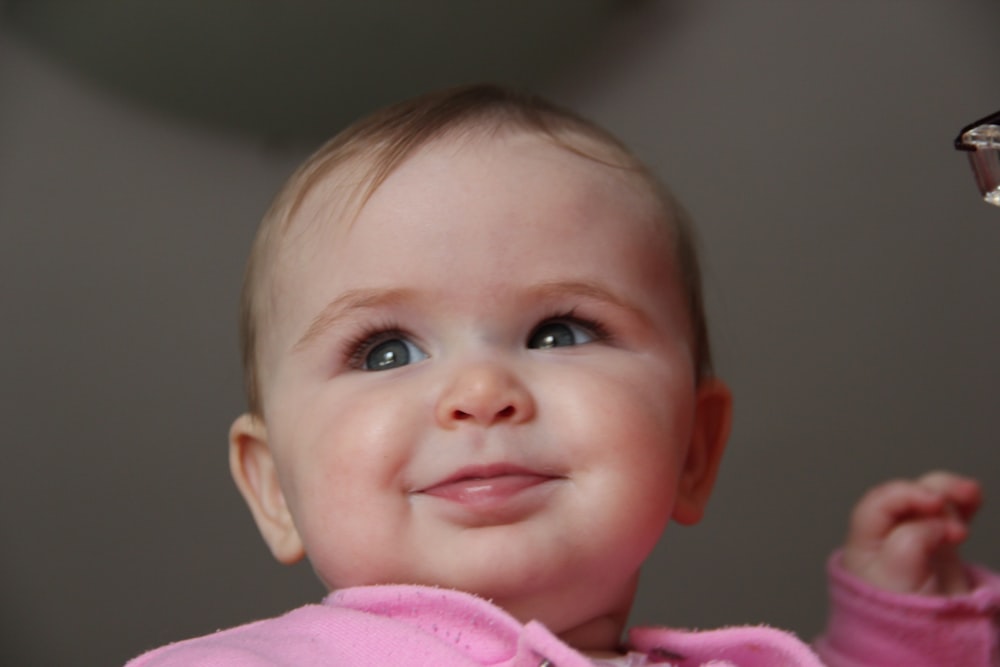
(852, 274)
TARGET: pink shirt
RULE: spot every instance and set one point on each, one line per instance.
(420, 626)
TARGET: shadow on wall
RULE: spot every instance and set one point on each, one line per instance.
(296, 72)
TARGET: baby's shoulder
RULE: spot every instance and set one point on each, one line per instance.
(381, 625)
(293, 638)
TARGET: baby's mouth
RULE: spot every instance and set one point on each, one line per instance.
(487, 485)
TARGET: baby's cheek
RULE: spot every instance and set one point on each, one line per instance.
(347, 548)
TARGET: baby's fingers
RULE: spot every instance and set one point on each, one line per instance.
(921, 557)
(904, 534)
(886, 506)
(963, 494)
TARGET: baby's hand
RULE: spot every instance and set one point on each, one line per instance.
(904, 535)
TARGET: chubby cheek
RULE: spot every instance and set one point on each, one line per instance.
(344, 466)
(633, 409)
(631, 444)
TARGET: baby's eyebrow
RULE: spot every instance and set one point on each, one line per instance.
(588, 290)
(347, 303)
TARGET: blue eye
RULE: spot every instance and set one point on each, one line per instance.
(391, 353)
(559, 333)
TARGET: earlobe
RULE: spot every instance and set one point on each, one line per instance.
(713, 416)
(252, 465)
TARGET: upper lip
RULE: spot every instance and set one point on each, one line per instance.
(476, 472)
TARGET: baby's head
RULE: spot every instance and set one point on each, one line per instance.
(476, 357)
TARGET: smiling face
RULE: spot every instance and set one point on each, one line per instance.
(484, 382)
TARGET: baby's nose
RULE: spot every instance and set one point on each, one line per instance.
(484, 393)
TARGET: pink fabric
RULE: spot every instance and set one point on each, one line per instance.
(869, 626)
(411, 626)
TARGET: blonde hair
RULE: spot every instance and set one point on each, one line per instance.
(380, 142)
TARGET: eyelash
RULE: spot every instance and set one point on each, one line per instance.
(357, 347)
(600, 332)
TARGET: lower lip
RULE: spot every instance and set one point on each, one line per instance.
(487, 490)
(497, 499)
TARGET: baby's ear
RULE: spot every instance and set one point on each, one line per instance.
(252, 465)
(713, 415)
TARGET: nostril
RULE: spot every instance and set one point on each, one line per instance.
(506, 413)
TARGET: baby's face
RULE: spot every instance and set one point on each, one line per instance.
(485, 382)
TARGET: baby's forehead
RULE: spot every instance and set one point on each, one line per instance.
(482, 183)
(333, 206)
(334, 199)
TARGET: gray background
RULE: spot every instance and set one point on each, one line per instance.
(852, 278)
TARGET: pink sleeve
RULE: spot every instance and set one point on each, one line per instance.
(871, 627)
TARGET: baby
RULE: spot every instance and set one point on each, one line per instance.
(480, 387)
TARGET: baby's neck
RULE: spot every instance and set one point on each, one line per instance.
(593, 626)
(599, 637)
